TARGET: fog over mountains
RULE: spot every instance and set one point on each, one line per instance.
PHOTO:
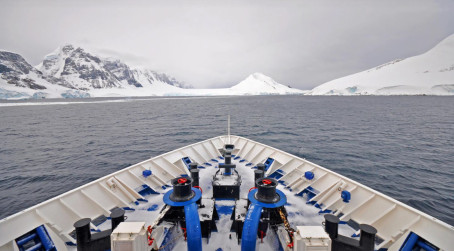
(85, 71)
(71, 72)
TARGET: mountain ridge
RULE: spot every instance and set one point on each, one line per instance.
(430, 73)
(71, 71)
(88, 71)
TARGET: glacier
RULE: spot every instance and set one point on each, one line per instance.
(13, 95)
(75, 94)
(73, 72)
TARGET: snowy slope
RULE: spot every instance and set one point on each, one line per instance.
(109, 77)
(54, 62)
(259, 84)
(255, 84)
(431, 73)
(71, 71)
(19, 80)
(84, 70)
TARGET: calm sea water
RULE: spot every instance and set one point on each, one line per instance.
(401, 146)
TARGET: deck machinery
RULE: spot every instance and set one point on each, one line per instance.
(186, 190)
(187, 214)
(226, 182)
(327, 210)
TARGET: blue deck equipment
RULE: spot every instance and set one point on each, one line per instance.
(260, 198)
(183, 195)
(346, 196)
(146, 173)
(268, 163)
(309, 175)
(37, 239)
(414, 242)
(187, 161)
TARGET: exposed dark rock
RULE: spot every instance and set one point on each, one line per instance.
(122, 72)
(15, 70)
(26, 82)
(15, 62)
(32, 84)
(169, 80)
(66, 65)
(4, 68)
(88, 67)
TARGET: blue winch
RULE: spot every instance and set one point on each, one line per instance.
(266, 208)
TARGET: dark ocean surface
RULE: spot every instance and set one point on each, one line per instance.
(401, 146)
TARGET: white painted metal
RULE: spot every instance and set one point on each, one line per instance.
(130, 236)
(311, 238)
(393, 219)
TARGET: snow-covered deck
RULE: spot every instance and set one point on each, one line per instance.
(308, 199)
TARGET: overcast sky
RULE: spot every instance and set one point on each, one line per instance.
(217, 44)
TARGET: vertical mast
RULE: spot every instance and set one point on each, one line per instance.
(228, 128)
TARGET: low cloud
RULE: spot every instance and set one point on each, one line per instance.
(216, 44)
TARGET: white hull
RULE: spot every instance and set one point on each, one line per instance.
(393, 219)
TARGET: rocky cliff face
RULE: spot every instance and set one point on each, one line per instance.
(149, 77)
(82, 70)
(86, 71)
(17, 72)
(122, 72)
(73, 70)
(53, 63)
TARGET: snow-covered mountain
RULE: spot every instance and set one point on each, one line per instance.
(17, 72)
(71, 71)
(259, 84)
(431, 73)
(18, 79)
(254, 84)
(85, 71)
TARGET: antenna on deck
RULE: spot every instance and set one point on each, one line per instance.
(228, 127)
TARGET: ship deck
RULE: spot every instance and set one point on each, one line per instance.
(308, 200)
